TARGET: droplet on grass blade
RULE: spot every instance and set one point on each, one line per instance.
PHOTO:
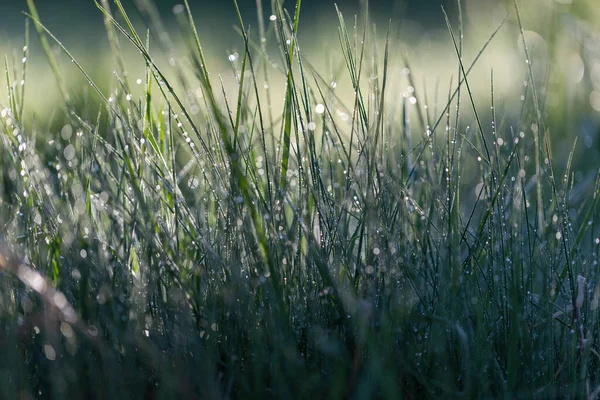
(69, 152)
(66, 132)
(49, 352)
(193, 182)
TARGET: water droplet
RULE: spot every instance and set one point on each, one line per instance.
(193, 182)
(66, 132)
(49, 352)
(69, 152)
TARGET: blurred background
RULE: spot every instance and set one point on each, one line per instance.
(562, 38)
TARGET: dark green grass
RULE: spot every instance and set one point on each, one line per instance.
(175, 246)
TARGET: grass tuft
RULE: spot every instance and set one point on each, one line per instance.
(186, 240)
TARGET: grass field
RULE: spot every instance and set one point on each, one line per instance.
(297, 229)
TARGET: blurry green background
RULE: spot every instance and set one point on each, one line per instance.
(562, 36)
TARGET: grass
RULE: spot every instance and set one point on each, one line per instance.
(169, 244)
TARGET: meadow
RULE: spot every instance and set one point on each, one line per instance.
(341, 226)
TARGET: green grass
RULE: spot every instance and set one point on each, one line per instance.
(224, 245)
